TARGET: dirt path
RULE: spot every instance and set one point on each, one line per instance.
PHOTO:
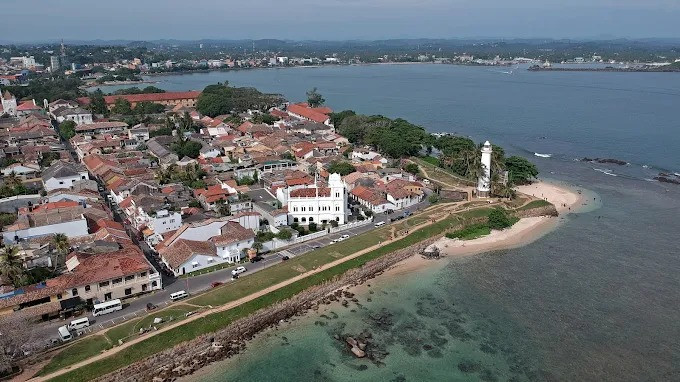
(228, 306)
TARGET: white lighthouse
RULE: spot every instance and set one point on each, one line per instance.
(484, 182)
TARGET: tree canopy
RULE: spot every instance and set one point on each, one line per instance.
(97, 103)
(314, 98)
(341, 167)
(520, 170)
(67, 130)
(187, 148)
(394, 138)
(223, 99)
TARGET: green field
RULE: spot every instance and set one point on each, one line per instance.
(77, 352)
(469, 233)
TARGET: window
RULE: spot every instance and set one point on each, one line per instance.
(311, 209)
(61, 182)
(87, 288)
(304, 209)
(128, 291)
(337, 194)
(311, 219)
(59, 296)
(295, 209)
(117, 281)
(143, 274)
(103, 284)
(194, 265)
(304, 220)
(74, 291)
(129, 278)
(337, 208)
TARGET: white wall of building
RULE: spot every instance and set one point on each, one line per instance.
(71, 229)
(65, 182)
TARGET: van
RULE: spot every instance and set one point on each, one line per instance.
(79, 324)
(178, 295)
(64, 334)
(380, 224)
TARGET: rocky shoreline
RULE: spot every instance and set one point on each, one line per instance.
(188, 357)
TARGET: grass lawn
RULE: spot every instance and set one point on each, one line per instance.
(220, 320)
(442, 175)
(535, 204)
(469, 233)
(131, 328)
(77, 352)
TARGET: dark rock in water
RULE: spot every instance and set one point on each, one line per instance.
(362, 367)
(368, 299)
(605, 160)
(664, 179)
(468, 366)
(435, 353)
(427, 347)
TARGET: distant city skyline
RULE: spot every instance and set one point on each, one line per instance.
(336, 19)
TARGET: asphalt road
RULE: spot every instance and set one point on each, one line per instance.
(136, 307)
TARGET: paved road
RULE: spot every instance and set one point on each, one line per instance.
(137, 306)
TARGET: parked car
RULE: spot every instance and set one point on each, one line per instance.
(315, 246)
(215, 284)
(343, 237)
(284, 258)
(238, 270)
(380, 224)
(256, 259)
(150, 306)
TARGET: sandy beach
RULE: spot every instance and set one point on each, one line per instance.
(525, 231)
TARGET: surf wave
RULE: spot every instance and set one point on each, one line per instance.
(605, 171)
(543, 155)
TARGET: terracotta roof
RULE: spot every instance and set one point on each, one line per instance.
(28, 105)
(182, 250)
(307, 112)
(310, 192)
(53, 205)
(232, 232)
(151, 97)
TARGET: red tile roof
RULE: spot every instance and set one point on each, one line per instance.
(310, 192)
(307, 113)
(152, 97)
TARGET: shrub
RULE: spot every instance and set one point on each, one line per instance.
(499, 219)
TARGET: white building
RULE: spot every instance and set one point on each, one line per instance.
(315, 204)
(197, 246)
(78, 115)
(484, 182)
(9, 104)
(63, 174)
(70, 222)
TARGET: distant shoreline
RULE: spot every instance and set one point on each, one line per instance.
(607, 69)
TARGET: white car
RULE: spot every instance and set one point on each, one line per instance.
(380, 224)
(343, 237)
(238, 271)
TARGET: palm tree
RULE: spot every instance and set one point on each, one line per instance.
(61, 247)
(257, 246)
(11, 266)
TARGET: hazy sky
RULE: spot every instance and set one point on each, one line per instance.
(22, 20)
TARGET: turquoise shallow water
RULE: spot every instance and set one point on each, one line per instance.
(596, 300)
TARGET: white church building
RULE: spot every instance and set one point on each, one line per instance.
(317, 204)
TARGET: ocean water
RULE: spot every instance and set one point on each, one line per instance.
(598, 299)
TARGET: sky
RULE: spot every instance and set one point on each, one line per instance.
(42, 20)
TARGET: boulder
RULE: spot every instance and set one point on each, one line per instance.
(358, 352)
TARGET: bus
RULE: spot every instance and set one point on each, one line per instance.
(106, 307)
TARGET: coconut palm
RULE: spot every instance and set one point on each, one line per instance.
(11, 266)
(61, 248)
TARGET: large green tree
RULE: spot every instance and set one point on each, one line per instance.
(341, 167)
(223, 99)
(122, 106)
(11, 266)
(520, 170)
(314, 98)
(97, 103)
(67, 130)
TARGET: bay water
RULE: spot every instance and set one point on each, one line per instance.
(597, 299)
